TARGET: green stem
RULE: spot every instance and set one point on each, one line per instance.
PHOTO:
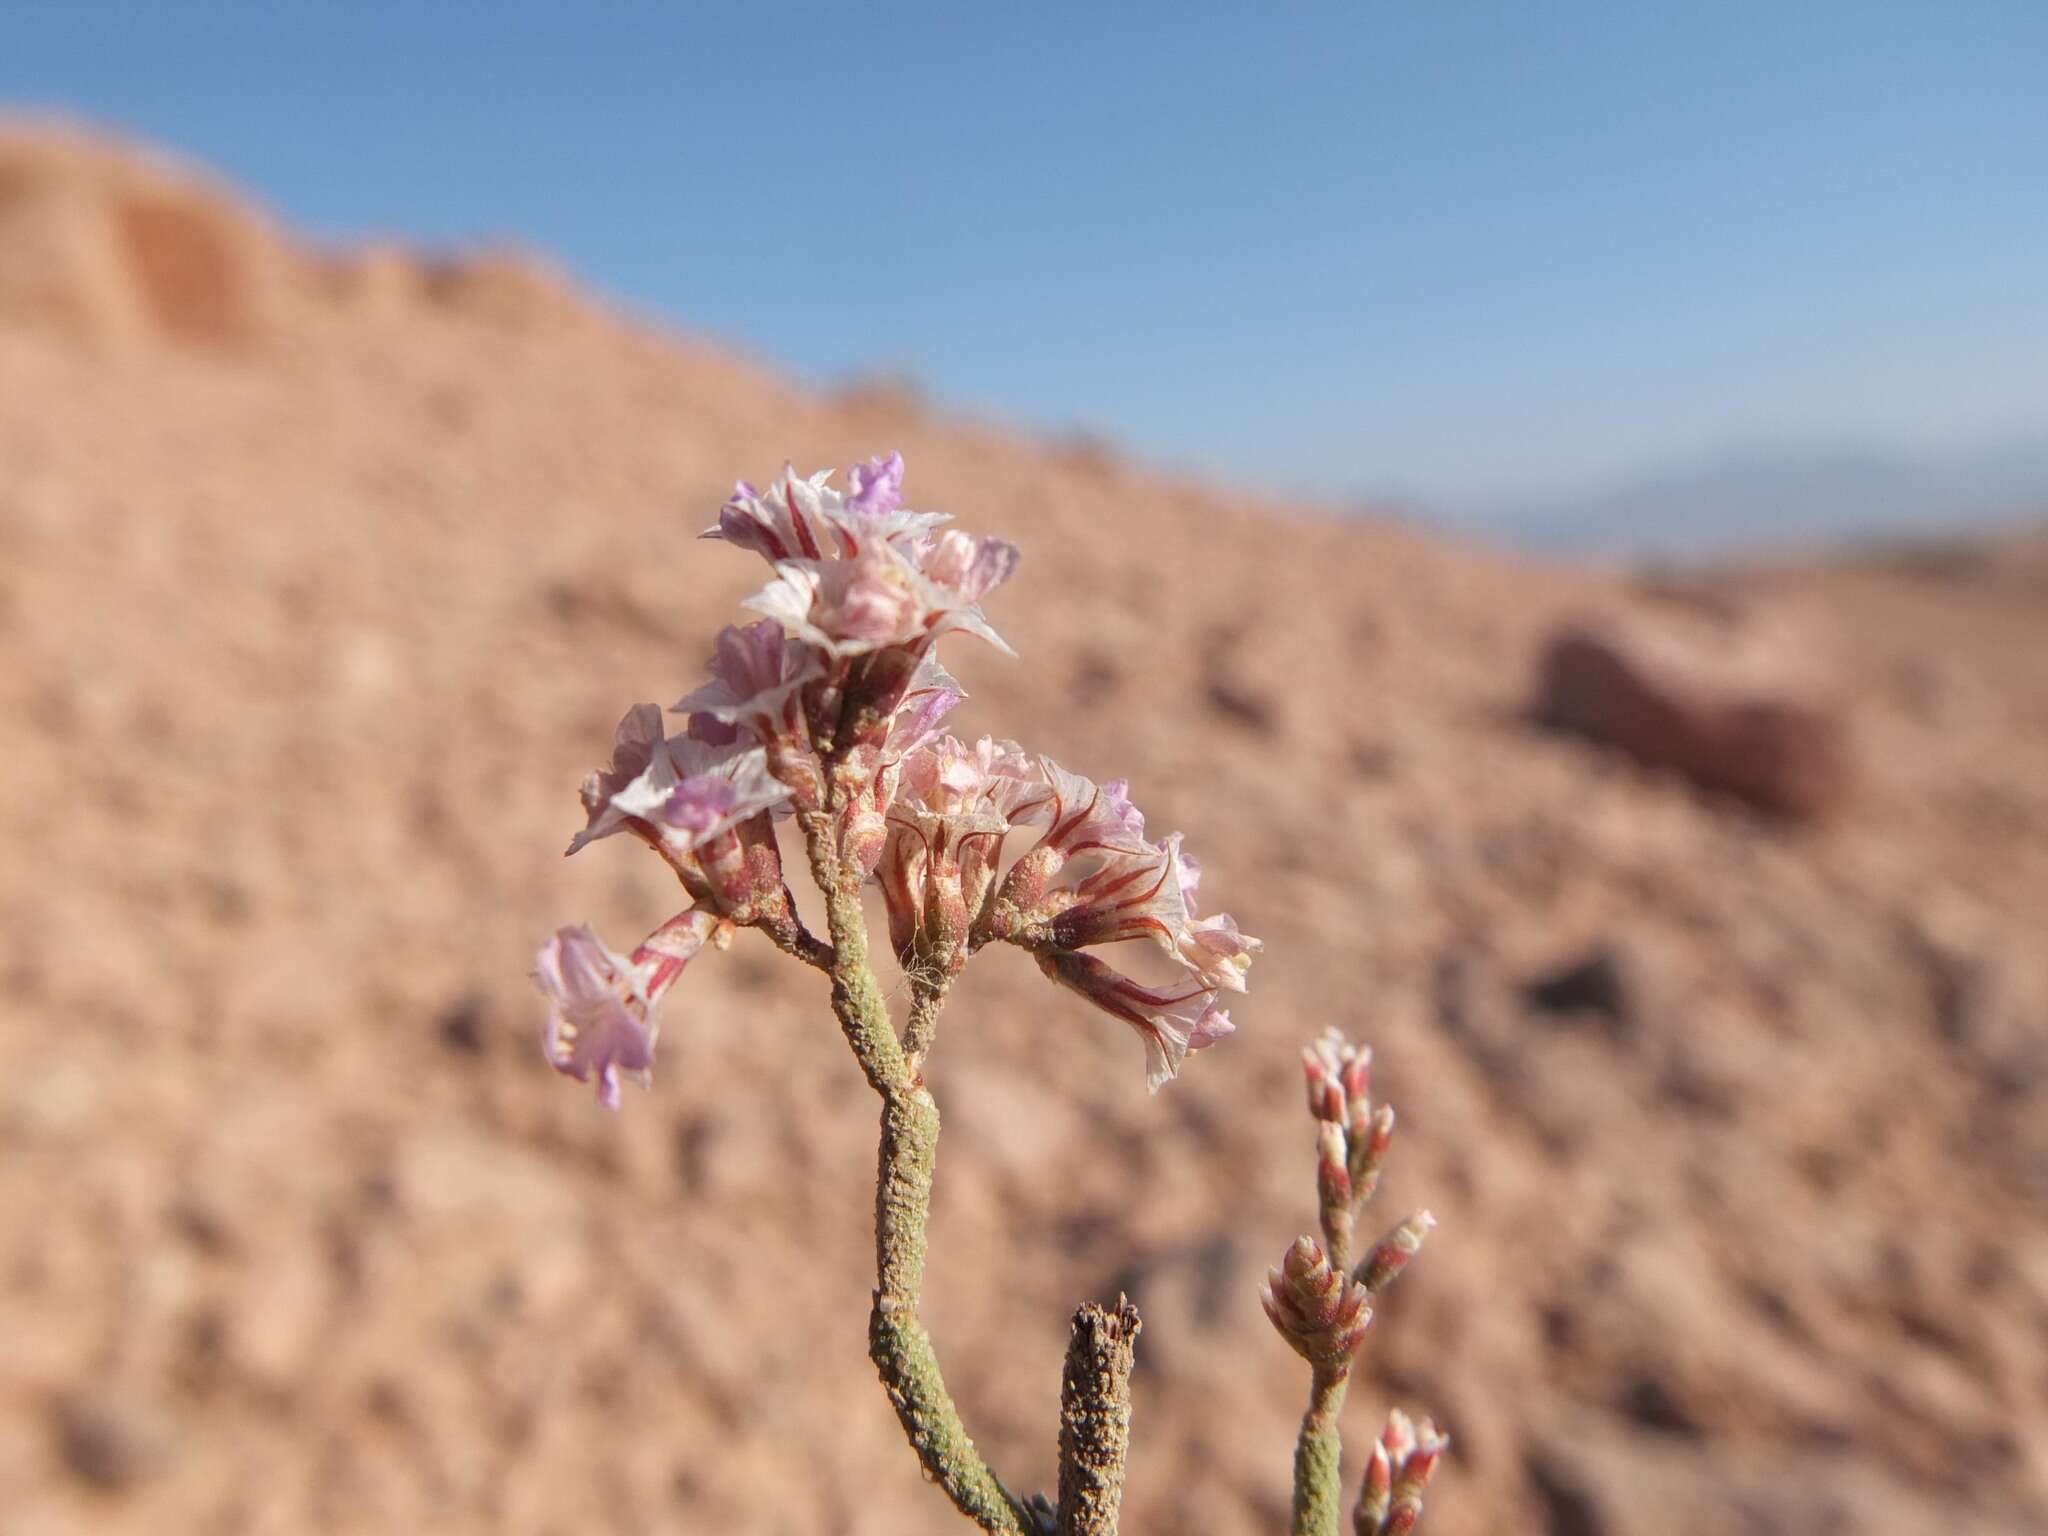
(1318, 1456)
(925, 1003)
(897, 1342)
(789, 935)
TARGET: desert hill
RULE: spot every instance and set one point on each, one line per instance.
(325, 577)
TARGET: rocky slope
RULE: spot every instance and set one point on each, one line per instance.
(325, 577)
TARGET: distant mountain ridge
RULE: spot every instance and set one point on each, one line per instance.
(1764, 495)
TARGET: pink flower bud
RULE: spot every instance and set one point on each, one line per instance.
(1376, 1495)
(1338, 1075)
(1369, 1151)
(1319, 1312)
(1390, 1255)
(1414, 1450)
(1333, 1173)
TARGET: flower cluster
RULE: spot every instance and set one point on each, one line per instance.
(1321, 1303)
(829, 709)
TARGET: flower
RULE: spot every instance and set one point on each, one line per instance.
(857, 573)
(804, 518)
(634, 744)
(914, 713)
(601, 1004)
(757, 676)
(704, 807)
(846, 607)
(691, 791)
(1093, 878)
(947, 818)
(1172, 1021)
(1212, 947)
(1127, 896)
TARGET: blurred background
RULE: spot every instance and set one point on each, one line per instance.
(1554, 502)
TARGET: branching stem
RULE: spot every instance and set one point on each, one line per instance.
(897, 1341)
(1319, 1452)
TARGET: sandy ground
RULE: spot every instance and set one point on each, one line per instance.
(322, 580)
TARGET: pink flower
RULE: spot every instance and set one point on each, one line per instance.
(789, 523)
(601, 1004)
(846, 607)
(1082, 817)
(1172, 1021)
(806, 519)
(915, 714)
(854, 574)
(757, 677)
(691, 791)
(965, 565)
(705, 808)
(638, 738)
(946, 821)
(1094, 879)
(1212, 947)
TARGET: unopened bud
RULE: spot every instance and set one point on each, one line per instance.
(1368, 1151)
(1358, 1077)
(1318, 1311)
(1325, 1091)
(1390, 1255)
(1398, 1438)
(1424, 1448)
(1333, 1172)
(1376, 1496)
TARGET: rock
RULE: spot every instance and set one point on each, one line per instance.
(1783, 758)
(108, 1440)
(1595, 983)
(462, 1025)
(1565, 1503)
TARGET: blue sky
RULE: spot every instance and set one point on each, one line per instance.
(1447, 249)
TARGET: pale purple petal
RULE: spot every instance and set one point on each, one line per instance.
(694, 790)
(877, 486)
(698, 805)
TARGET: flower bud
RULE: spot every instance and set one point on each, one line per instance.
(1369, 1150)
(1376, 1495)
(1333, 1173)
(1339, 1078)
(1318, 1311)
(1390, 1255)
(1413, 1450)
